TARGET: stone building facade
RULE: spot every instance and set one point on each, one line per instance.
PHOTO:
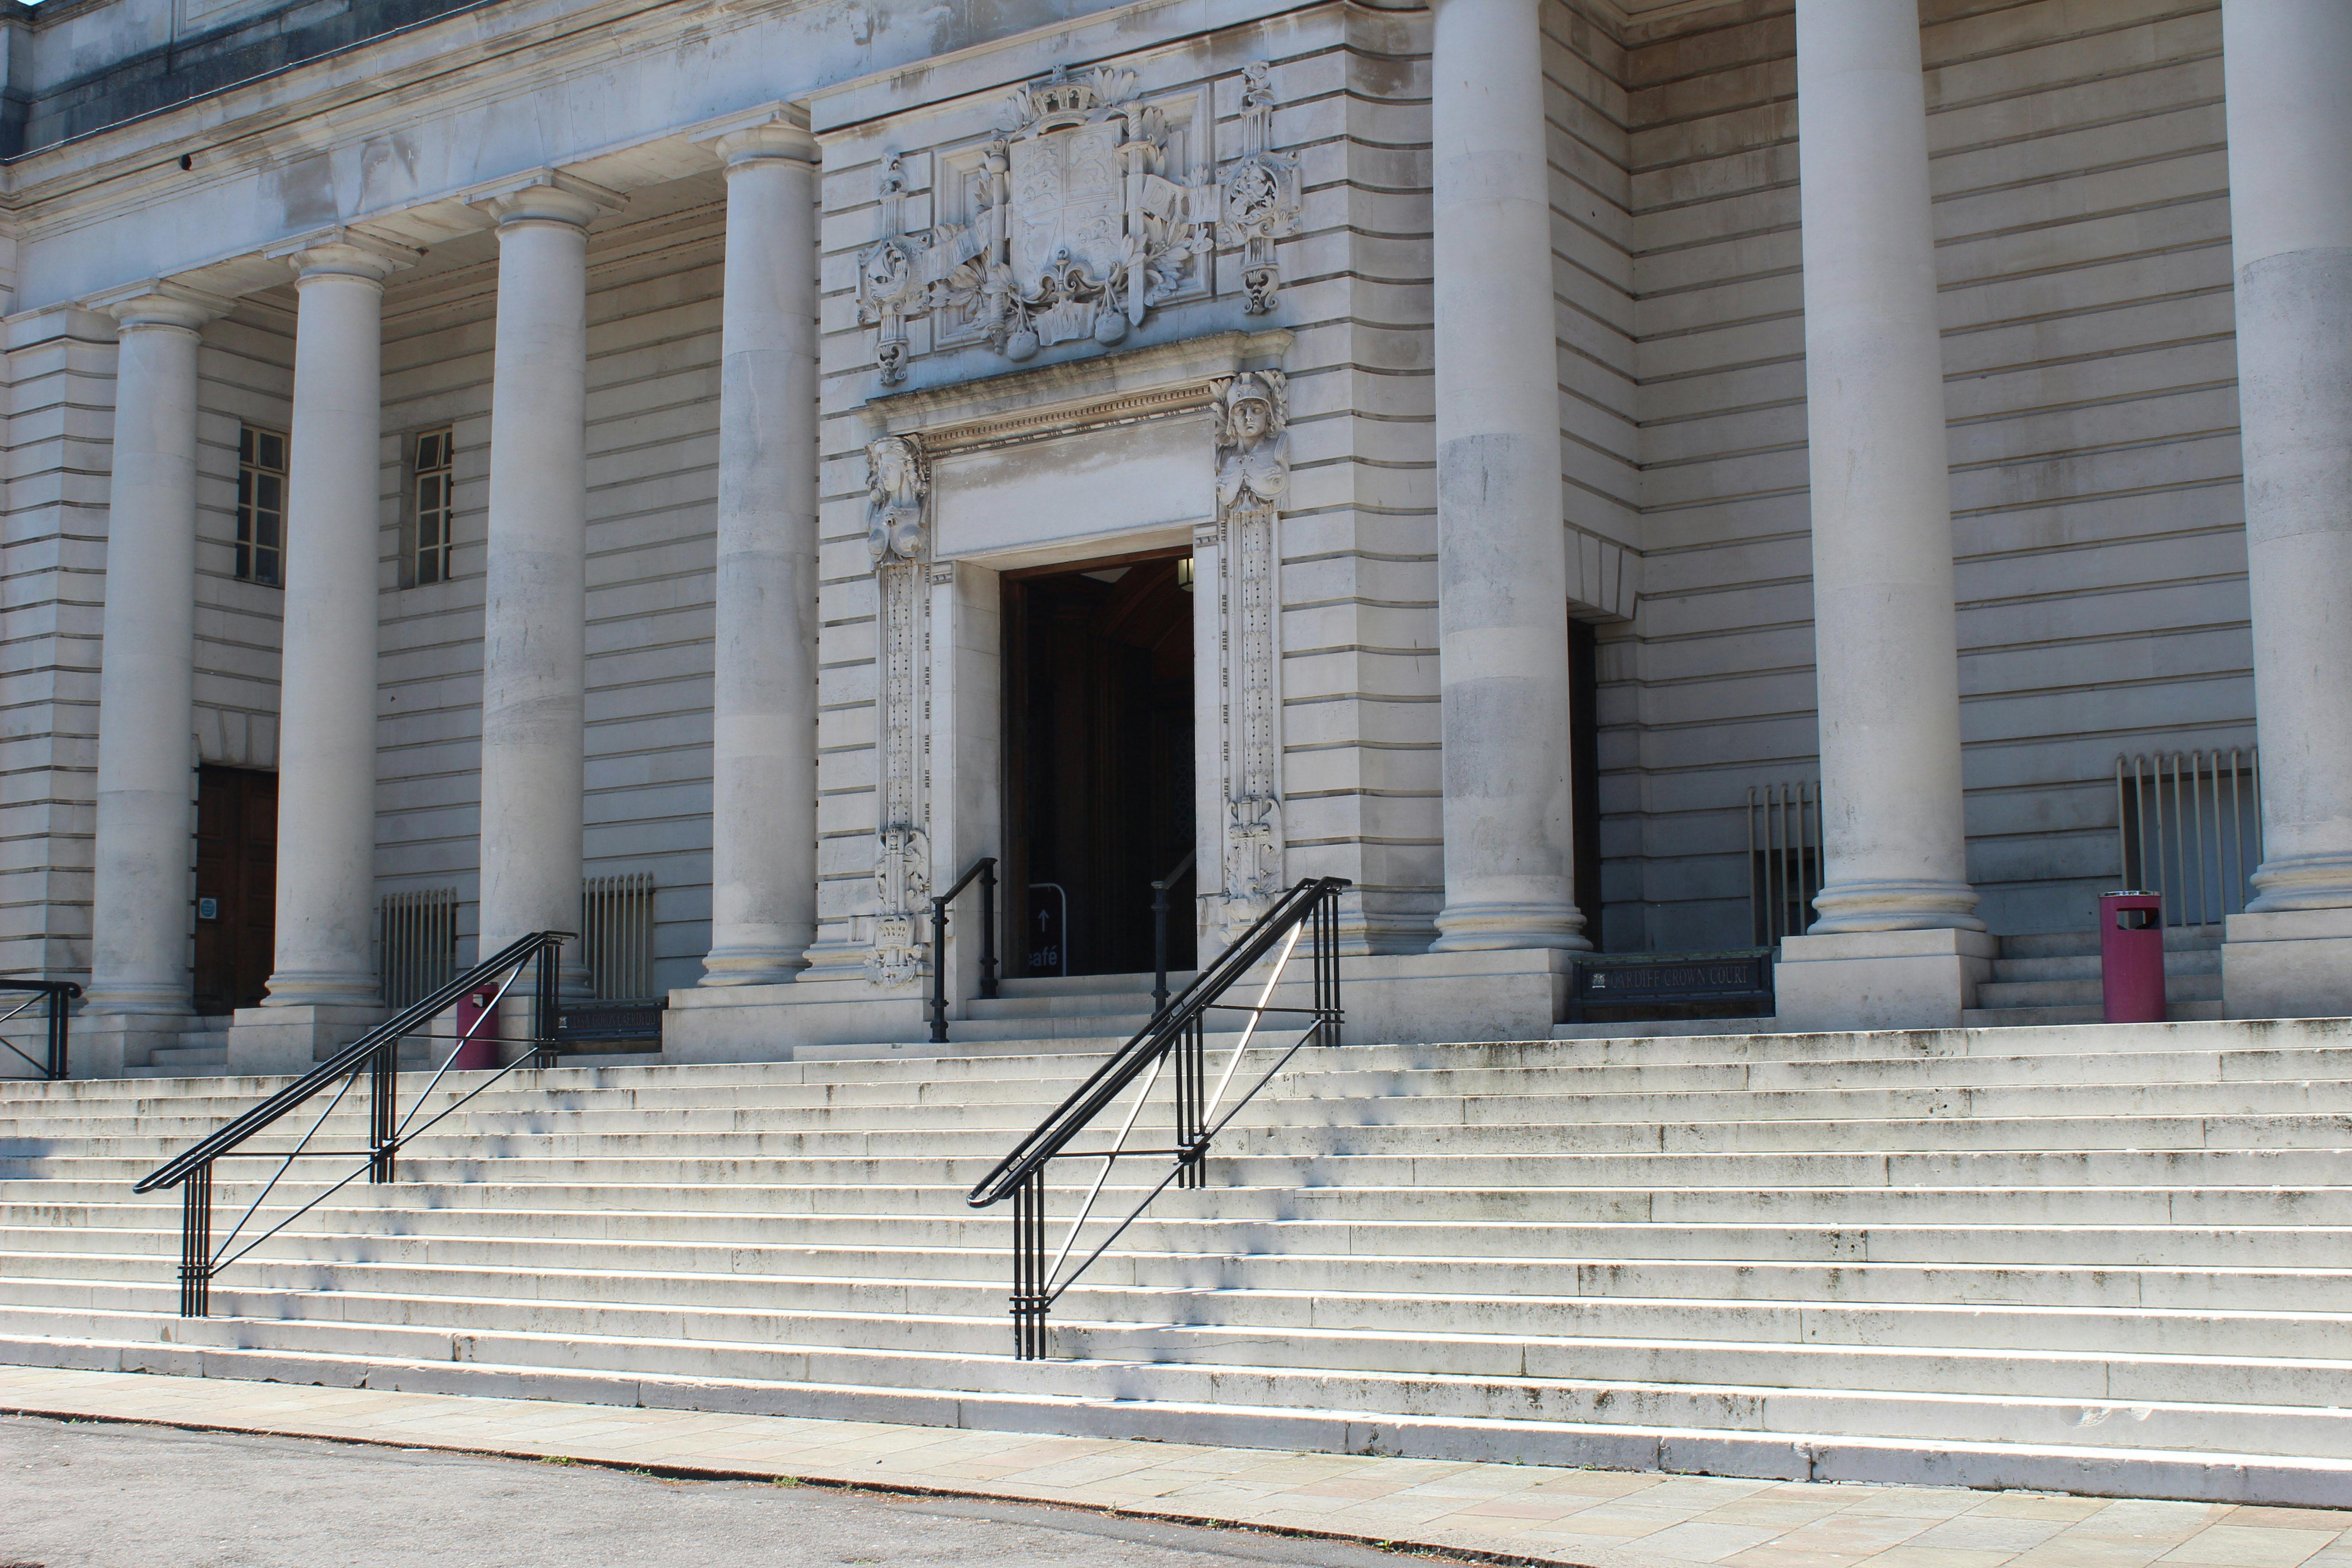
(752, 447)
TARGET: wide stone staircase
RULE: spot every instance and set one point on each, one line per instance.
(2112, 1260)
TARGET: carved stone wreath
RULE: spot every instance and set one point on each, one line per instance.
(1081, 224)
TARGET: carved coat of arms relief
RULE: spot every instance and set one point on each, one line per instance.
(1086, 209)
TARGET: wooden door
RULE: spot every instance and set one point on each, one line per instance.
(1099, 764)
(237, 886)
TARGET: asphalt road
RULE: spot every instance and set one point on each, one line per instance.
(96, 1494)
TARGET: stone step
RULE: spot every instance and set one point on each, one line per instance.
(235, 1094)
(1603, 1242)
(2008, 1460)
(2093, 1012)
(1911, 1135)
(2085, 943)
(1919, 1240)
(2084, 1354)
(2176, 965)
(830, 1310)
(315, 1261)
(638, 1161)
(1559, 1383)
(503, 1183)
(2178, 988)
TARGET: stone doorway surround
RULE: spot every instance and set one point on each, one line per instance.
(1136, 451)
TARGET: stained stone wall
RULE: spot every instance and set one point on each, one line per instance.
(1357, 570)
(653, 419)
(2084, 252)
(2083, 237)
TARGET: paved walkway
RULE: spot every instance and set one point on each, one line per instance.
(1513, 1513)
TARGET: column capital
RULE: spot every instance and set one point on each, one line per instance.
(160, 302)
(342, 252)
(544, 195)
(772, 133)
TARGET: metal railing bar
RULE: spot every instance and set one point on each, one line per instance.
(1280, 1062)
(286, 1161)
(1107, 1081)
(1110, 1160)
(404, 1022)
(965, 880)
(1250, 1030)
(280, 1154)
(466, 1038)
(1054, 1293)
(1245, 1007)
(1271, 940)
(38, 996)
(520, 1061)
(219, 1263)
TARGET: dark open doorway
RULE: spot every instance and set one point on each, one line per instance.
(1098, 733)
(236, 886)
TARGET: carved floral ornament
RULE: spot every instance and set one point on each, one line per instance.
(897, 489)
(1081, 223)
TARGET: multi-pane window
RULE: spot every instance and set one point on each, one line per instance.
(433, 506)
(261, 507)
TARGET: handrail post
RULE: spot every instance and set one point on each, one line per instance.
(1158, 948)
(60, 1034)
(196, 1242)
(939, 970)
(988, 928)
(383, 1087)
(1029, 1299)
(1160, 929)
(546, 1004)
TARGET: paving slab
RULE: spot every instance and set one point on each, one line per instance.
(1479, 1512)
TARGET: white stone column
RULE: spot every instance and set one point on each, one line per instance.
(144, 850)
(1502, 560)
(763, 719)
(534, 633)
(1896, 942)
(322, 983)
(2289, 124)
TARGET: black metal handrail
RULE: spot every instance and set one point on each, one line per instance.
(985, 870)
(375, 1053)
(55, 994)
(1175, 1031)
(1159, 929)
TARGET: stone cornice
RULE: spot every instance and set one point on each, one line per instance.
(1075, 394)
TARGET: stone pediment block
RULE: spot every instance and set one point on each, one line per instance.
(1077, 394)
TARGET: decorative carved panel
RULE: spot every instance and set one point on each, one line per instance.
(1252, 415)
(1088, 208)
(897, 494)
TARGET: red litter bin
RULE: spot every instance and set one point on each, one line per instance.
(2131, 956)
(478, 1025)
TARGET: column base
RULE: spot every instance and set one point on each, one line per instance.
(753, 966)
(290, 1039)
(1501, 928)
(2296, 964)
(107, 1044)
(1881, 979)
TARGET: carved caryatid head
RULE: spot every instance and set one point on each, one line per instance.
(895, 482)
(1257, 409)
